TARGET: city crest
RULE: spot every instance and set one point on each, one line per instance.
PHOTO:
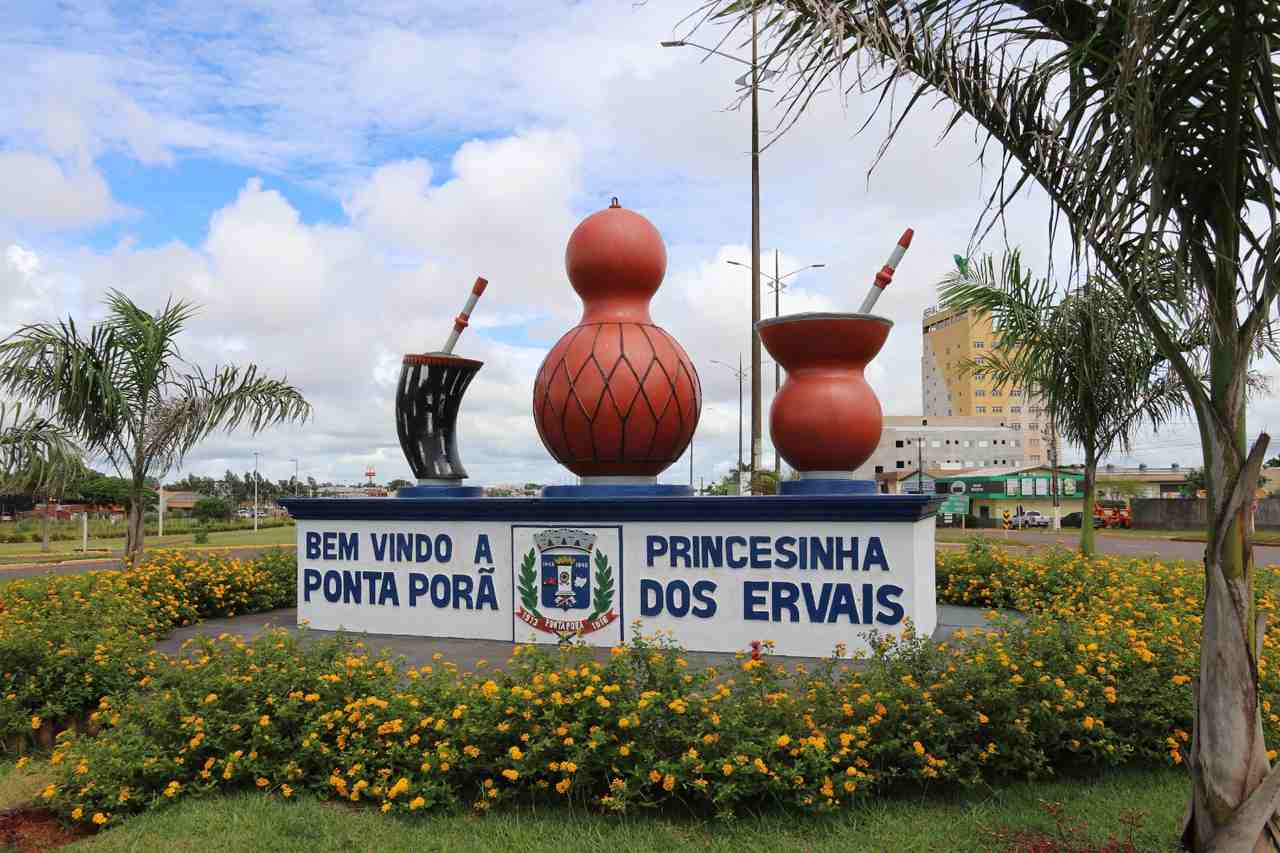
(558, 592)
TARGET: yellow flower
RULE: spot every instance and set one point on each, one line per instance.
(918, 747)
(99, 818)
(668, 782)
(511, 775)
(262, 782)
(36, 722)
(654, 776)
(727, 769)
(264, 721)
(416, 803)
(211, 698)
(515, 753)
(77, 813)
(286, 790)
(783, 740)
(563, 786)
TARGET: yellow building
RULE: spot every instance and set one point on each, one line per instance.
(953, 338)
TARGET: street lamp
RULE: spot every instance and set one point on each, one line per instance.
(754, 86)
(741, 374)
(776, 284)
(255, 491)
(295, 476)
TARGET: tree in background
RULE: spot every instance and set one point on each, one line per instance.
(1098, 373)
(212, 509)
(37, 458)
(124, 391)
(1153, 128)
(394, 485)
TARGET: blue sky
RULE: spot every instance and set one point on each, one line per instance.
(326, 181)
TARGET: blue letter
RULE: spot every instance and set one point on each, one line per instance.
(310, 580)
(417, 586)
(348, 546)
(784, 597)
(702, 592)
(734, 562)
(487, 594)
(679, 551)
(785, 546)
(379, 541)
(422, 548)
(677, 605)
(842, 604)
(760, 552)
(650, 596)
(887, 596)
(444, 548)
(313, 545)
(484, 554)
(461, 591)
(875, 555)
(654, 546)
(441, 594)
(817, 609)
(389, 590)
(753, 600)
(332, 586)
(350, 587)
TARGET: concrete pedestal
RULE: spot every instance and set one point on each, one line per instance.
(807, 572)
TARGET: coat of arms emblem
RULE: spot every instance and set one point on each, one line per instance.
(559, 593)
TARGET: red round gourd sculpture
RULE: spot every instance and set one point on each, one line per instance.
(617, 397)
(825, 420)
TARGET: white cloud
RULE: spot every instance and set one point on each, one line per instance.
(40, 192)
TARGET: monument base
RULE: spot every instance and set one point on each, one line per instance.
(807, 572)
(827, 486)
(440, 492)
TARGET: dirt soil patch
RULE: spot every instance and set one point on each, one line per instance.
(33, 830)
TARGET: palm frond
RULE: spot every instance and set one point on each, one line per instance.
(36, 455)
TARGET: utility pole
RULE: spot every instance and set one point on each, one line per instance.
(1052, 452)
(756, 408)
(741, 374)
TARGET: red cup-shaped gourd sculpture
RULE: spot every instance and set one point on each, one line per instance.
(617, 396)
(825, 418)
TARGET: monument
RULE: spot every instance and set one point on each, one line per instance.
(617, 401)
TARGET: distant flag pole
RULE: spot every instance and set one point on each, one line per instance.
(886, 272)
(460, 322)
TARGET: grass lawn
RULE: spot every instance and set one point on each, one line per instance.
(952, 822)
(29, 552)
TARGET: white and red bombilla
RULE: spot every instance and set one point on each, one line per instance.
(460, 322)
(886, 272)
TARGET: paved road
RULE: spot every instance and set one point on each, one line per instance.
(1123, 545)
(75, 567)
(466, 654)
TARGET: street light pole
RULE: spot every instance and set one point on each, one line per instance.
(776, 284)
(295, 476)
(741, 374)
(255, 491)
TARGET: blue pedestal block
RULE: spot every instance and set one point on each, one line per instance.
(653, 490)
(827, 487)
(440, 492)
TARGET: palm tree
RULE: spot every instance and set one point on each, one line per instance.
(1085, 355)
(1154, 130)
(37, 457)
(125, 392)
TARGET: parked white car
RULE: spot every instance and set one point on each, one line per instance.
(1030, 518)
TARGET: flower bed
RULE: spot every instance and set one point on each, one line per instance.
(67, 641)
(1096, 675)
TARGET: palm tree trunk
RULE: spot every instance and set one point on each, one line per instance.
(1231, 808)
(133, 534)
(1087, 535)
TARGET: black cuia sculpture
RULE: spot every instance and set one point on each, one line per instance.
(427, 402)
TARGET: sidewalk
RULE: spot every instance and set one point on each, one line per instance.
(466, 654)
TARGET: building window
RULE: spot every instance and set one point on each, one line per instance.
(978, 344)
(1016, 392)
(1015, 426)
(982, 443)
(1033, 442)
(879, 469)
(1016, 410)
(898, 443)
(979, 376)
(979, 392)
(980, 410)
(935, 444)
(900, 464)
(996, 392)
(1033, 425)
(997, 409)
(966, 444)
(1033, 458)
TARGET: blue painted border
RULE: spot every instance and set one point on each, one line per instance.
(440, 492)
(770, 508)
(827, 487)
(653, 490)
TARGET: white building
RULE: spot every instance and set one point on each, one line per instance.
(911, 443)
